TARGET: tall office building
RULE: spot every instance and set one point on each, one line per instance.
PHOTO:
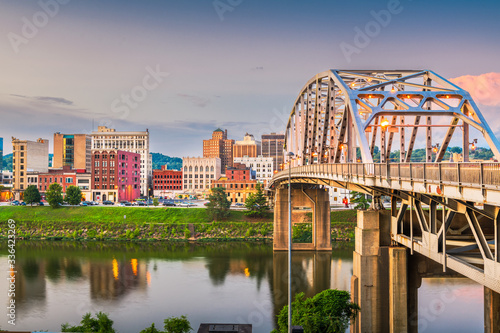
(219, 146)
(272, 146)
(248, 147)
(134, 142)
(27, 156)
(72, 150)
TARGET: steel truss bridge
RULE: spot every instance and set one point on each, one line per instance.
(357, 129)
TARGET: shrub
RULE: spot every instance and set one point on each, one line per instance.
(329, 311)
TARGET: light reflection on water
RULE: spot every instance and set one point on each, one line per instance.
(138, 284)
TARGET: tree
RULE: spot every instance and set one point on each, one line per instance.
(327, 312)
(100, 324)
(256, 203)
(54, 195)
(156, 202)
(177, 325)
(73, 195)
(151, 329)
(32, 195)
(360, 199)
(218, 205)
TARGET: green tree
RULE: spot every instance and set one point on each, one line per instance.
(151, 329)
(330, 311)
(73, 195)
(156, 202)
(360, 200)
(32, 195)
(256, 203)
(177, 325)
(218, 205)
(100, 324)
(54, 195)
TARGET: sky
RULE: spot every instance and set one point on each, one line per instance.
(183, 68)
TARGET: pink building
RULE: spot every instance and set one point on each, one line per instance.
(116, 175)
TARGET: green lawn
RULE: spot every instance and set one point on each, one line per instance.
(114, 215)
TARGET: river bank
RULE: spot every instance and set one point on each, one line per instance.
(156, 224)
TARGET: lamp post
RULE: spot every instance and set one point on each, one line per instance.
(290, 156)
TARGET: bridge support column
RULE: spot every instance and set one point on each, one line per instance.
(316, 198)
(370, 280)
(398, 290)
(491, 311)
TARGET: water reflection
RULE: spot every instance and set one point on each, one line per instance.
(223, 282)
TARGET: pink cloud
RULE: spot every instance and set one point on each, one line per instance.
(484, 88)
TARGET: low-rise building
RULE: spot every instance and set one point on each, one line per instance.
(65, 177)
(237, 190)
(167, 183)
(198, 174)
(263, 167)
(116, 175)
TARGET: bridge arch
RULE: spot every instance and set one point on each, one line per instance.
(345, 115)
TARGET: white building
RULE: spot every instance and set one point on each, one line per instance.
(198, 173)
(337, 196)
(263, 167)
(6, 178)
(135, 142)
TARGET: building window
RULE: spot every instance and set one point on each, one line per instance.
(69, 180)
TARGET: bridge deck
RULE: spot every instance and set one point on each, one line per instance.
(477, 182)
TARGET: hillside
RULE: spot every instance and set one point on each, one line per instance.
(173, 163)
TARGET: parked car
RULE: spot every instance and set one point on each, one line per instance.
(14, 203)
(140, 203)
(107, 202)
(186, 204)
(85, 203)
(22, 203)
(125, 203)
(239, 204)
(94, 203)
(169, 203)
(41, 204)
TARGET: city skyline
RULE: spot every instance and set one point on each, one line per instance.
(237, 65)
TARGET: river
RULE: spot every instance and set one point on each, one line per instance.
(141, 283)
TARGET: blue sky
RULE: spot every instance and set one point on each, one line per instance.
(238, 67)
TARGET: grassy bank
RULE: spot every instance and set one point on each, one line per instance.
(152, 224)
(116, 215)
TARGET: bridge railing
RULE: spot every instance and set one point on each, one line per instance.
(473, 174)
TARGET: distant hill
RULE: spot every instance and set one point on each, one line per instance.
(173, 163)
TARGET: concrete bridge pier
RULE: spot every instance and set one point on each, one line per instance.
(318, 200)
(379, 284)
(491, 311)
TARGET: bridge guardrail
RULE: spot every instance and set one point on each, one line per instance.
(472, 174)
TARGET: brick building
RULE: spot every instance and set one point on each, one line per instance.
(247, 147)
(219, 146)
(116, 175)
(239, 172)
(166, 183)
(65, 177)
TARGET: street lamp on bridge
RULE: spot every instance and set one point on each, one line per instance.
(290, 157)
